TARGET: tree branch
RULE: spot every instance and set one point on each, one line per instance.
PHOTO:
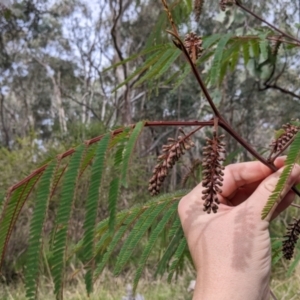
(239, 4)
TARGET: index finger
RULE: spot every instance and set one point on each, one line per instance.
(238, 175)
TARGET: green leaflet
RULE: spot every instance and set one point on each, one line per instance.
(121, 137)
(136, 234)
(217, 61)
(132, 57)
(129, 149)
(254, 48)
(176, 224)
(172, 77)
(246, 52)
(263, 45)
(160, 67)
(57, 177)
(108, 242)
(185, 73)
(152, 240)
(90, 153)
(155, 35)
(230, 56)
(112, 201)
(118, 159)
(62, 219)
(223, 72)
(178, 256)
(292, 158)
(116, 239)
(278, 133)
(145, 66)
(169, 252)
(2, 197)
(11, 209)
(36, 230)
(276, 251)
(115, 182)
(235, 57)
(176, 196)
(92, 204)
(211, 40)
(167, 64)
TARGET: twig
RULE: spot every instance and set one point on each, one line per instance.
(239, 4)
(97, 139)
(273, 295)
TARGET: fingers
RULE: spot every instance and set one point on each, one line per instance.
(238, 175)
(261, 195)
(247, 175)
(242, 174)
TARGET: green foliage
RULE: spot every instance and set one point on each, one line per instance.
(65, 177)
(178, 258)
(62, 219)
(142, 225)
(128, 150)
(152, 240)
(36, 227)
(216, 64)
(292, 158)
(11, 210)
(92, 203)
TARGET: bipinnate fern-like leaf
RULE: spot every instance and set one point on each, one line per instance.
(175, 241)
(136, 234)
(88, 157)
(114, 186)
(161, 65)
(112, 201)
(134, 56)
(217, 61)
(129, 149)
(62, 219)
(107, 242)
(92, 204)
(152, 240)
(36, 228)
(292, 157)
(11, 210)
(178, 256)
(126, 222)
(150, 61)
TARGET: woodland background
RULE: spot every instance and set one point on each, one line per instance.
(55, 93)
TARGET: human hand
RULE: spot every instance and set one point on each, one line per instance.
(231, 249)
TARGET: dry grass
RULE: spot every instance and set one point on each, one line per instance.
(114, 288)
(107, 288)
(288, 288)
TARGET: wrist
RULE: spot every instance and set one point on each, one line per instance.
(232, 286)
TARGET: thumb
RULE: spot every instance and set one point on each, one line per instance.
(261, 195)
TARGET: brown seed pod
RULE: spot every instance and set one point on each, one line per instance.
(226, 3)
(193, 45)
(288, 132)
(171, 153)
(212, 172)
(198, 5)
(291, 238)
(275, 45)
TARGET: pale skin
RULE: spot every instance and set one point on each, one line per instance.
(231, 249)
